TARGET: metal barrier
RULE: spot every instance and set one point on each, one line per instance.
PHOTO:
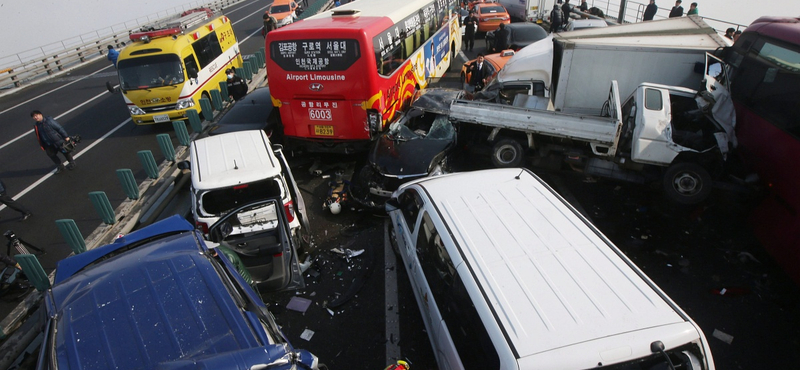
(27, 66)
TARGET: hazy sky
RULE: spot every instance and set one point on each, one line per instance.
(44, 22)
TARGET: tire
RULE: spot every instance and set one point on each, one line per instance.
(687, 183)
(203, 114)
(507, 153)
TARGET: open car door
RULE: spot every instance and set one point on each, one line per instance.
(268, 253)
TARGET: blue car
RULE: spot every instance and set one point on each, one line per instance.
(160, 298)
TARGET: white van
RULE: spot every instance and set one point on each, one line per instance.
(508, 275)
(233, 169)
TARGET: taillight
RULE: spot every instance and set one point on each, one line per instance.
(289, 208)
(202, 226)
(373, 122)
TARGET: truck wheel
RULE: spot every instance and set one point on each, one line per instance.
(687, 183)
(507, 153)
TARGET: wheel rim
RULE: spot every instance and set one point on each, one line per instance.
(506, 154)
(687, 183)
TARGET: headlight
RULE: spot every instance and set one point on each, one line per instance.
(136, 111)
(184, 103)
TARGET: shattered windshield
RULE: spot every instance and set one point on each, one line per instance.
(428, 126)
(151, 71)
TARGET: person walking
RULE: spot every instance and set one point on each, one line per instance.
(11, 203)
(692, 9)
(237, 87)
(51, 137)
(650, 11)
(556, 19)
(501, 36)
(470, 25)
(677, 10)
(479, 73)
(270, 23)
(113, 55)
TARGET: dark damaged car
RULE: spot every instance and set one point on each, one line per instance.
(417, 144)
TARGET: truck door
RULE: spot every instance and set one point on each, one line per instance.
(652, 137)
(716, 83)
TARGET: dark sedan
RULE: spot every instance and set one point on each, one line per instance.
(520, 35)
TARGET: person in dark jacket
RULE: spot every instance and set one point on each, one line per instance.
(677, 10)
(650, 11)
(566, 9)
(51, 138)
(556, 19)
(237, 87)
(11, 203)
(270, 23)
(470, 25)
(479, 73)
(501, 36)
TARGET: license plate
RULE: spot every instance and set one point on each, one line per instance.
(320, 115)
(161, 118)
(323, 130)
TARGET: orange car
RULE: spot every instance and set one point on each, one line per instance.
(490, 15)
(495, 63)
(284, 11)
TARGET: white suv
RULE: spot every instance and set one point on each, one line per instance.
(237, 168)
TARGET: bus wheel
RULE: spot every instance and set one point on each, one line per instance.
(687, 183)
(507, 153)
(202, 113)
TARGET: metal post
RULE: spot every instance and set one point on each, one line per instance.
(69, 230)
(166, 147)
(103, 206)
(33, 271)
(223, 90)
(125, 176)
(208, 111)
(149, 163)
(194, 120)
(181, 132)
(622, 5)
(216, 99)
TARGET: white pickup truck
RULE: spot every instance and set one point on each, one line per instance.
(660, 133)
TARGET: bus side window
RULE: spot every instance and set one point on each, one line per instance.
(191, 66)
(207, 49)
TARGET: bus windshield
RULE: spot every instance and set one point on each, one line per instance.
(150, 71)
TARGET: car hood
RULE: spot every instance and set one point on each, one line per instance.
(410, 158)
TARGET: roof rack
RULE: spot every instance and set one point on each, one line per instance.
(173, 25)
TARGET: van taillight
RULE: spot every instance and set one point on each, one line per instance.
(237, 187)
(289, 208)
(202, 226)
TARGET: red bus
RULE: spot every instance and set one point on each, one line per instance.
(765, 87)
(338, 77)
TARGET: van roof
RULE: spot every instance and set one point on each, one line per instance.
(551, 279)
(233, 158)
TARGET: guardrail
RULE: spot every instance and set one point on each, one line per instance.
(25, 67)
(633, 11)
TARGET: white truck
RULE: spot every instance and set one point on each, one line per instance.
(660, 133)
(574, 68)
(526, 10)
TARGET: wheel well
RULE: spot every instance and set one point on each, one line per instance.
(711, 161)
(512, 134)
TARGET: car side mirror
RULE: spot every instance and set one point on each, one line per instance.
(219, 233)
(111, 88)
(392, 205)
(184, 165)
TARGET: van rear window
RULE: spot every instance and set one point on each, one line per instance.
(319, 55)
(221, 201)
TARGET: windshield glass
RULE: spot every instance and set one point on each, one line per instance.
(533, 33)
(428, 126)
(280, 8)
(151, 71)
(492, 9)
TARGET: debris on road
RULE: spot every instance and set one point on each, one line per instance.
(298, 304)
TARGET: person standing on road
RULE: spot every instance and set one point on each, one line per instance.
(692, 9)
(270, 23)
(113, 55)
(677, 10)
(11, 203)
(51, 137)
(479, 73)
(470, 24)
(501, 36)
(650, 11)
(556, 19)
(566, 9)
(237, 87)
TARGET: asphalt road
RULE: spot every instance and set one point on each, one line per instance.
(691, 252)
